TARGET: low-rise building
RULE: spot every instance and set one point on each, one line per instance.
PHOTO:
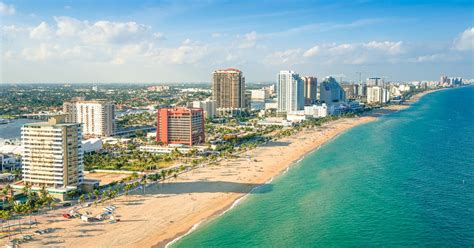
(9, 161)
(316, 111)
(277, 121)
(169, 149)
(259, 95)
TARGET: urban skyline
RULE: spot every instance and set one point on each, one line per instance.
(56, 42)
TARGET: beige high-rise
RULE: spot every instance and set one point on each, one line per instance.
(52, 154)
(98, 116)
(228, 88)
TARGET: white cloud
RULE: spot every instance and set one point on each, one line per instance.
(42, 52)
(437, 57)
(249, 40)
(290, 56)
(67, 26)
(385, 46)
(313, 51)
(187, 53)
(465, 41)
(42, 31)
(103, 32)
(341, 49)
(355, 53)
(6, 9)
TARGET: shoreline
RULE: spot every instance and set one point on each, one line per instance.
(180, 206)
(415, 98)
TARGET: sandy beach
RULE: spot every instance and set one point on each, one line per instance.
(169, 210)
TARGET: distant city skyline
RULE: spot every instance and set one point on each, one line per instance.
(167, 41)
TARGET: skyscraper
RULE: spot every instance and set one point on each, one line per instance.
(98, 116)
(290, 92)
(228, 88)
(52, 155)
(180, 126)
(331, 92)
(310, 89)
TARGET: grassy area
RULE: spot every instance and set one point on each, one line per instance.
(7, 117)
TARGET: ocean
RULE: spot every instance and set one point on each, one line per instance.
(406, 179)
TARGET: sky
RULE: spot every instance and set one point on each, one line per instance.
(54, 41)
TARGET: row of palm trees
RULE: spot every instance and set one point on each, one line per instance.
(35, 201)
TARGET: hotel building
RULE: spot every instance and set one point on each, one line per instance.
(290, 92)
(228, 89)
(331, 92)
(98, 116)
(180, 126)
(52, 155)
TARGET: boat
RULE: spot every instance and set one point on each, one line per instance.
(4, 121)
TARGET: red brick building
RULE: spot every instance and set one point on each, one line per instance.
(180, 126)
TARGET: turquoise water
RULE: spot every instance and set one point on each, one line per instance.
(404, 180)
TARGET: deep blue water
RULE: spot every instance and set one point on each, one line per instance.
(404, 180)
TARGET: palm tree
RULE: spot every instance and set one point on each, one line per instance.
(143, 182)
(5, 195)
(6, 215)
(104, 196)
(163, 175)
(156, 178)
(18, 209)
(127, 190)
(82, 199)
(96, 193)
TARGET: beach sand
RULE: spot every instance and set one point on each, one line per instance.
(169, 210)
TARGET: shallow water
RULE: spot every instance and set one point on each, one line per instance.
(404, 180)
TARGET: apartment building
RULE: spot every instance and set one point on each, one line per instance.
(52, 155)
(97, 116)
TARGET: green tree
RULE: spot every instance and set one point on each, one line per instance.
(82, 199)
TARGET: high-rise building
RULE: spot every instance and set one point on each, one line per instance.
(361, 90)
(377, 94)
(330, 92)
(290, 92)
(208, 106)
(310, 89)
(97, 116)
(228, 88)
(443, 80)
(52, 155)
(350, 90)
(180, 126)
(375, 81)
